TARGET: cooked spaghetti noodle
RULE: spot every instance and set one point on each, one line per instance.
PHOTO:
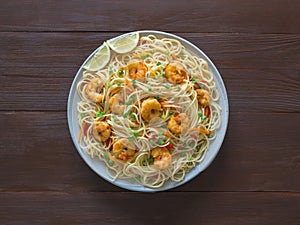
(150, 114)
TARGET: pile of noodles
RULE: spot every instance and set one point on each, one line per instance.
(186, 149)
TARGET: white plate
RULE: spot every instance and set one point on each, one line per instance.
(100, 168)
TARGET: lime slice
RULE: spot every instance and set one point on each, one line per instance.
(100, 59)
(124, 43)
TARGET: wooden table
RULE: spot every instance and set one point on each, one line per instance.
(255, 177)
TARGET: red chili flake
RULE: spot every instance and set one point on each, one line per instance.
(169, 145)
(150, 136)
(155, 177)
(206, 111)
(194, 136)
(107, 143)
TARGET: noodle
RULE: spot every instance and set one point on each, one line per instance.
(120, 103)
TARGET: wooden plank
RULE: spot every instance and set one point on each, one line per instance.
(249, 90)
(260, 153)
(56, 50)
(137, 208)
(256, 16)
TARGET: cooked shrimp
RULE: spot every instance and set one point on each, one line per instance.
(124, 149)
(101, 131)
(203, 96)
(175, 73)
(93, 90)
(162, 158)
(116, 103)
(137, 71)
(179, 124)
(151, 109)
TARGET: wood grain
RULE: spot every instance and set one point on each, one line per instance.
(40, 66)
(137, 208)
(243, 51)
(254, 178)
(37, 154)
(273, 16)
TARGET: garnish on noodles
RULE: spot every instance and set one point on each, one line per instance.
(149, 114)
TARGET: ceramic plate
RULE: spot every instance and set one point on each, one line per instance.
(99, 167)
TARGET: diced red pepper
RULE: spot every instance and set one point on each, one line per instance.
(85, 128)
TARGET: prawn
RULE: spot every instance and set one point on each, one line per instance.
(179, 124)
(203, 96)
(175, 72)
(162, 157)
(101, 131)
(151, 109)
(116, 103)
(137, 71)
(93, 90)
(124, 149)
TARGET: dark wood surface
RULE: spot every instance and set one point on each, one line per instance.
(255, 179)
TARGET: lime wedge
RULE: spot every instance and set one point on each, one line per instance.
(124, 43)
(100, 59)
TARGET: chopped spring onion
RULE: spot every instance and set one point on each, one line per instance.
(151, 159)
(131, 138)
(143, 57)
(198, 147)
(99, 113)
(135, 132)
(161, 142)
